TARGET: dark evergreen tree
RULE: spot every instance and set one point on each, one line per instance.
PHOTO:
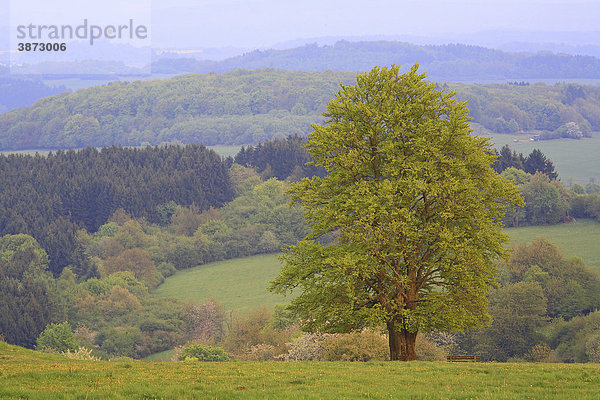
(537, 162)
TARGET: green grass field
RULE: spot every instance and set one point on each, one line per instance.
(579, 239)
(239, 284)
(32, 375)
(226, 151)
(576, 161)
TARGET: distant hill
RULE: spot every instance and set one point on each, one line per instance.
(15, 92)
(450, 62)
(240, 107)
(248, 107)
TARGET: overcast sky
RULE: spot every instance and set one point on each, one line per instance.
(259, 23)
(264, 22)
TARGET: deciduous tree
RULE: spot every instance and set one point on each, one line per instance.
(416, 207)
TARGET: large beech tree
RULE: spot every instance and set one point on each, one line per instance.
(415, 207)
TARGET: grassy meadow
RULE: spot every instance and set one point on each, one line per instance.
(579, 239)
(576, 161)
(239, 284)
(33, 375)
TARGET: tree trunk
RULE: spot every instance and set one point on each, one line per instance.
(402, 344)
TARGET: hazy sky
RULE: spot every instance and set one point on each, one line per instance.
(264, 22)
(255, 23)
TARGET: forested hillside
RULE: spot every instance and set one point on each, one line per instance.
(236, 108)
(452, 62)
(248, 107)
(52, 197)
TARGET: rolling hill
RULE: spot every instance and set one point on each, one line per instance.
(248, 107)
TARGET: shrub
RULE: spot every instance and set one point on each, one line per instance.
(592, 348)
(307, 347)
(81, 353)
(539, 353)
(58, 338)
(251, 330)
(262, 352)
(357, 346)
(203, 353)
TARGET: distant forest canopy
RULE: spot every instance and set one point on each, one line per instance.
(249, 107)
(52, 197)
(239, 107)
(451, 62)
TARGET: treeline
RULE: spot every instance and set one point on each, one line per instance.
(250, 107)
(280, 158)
(562, 110)
(452, 62)
(52, 197)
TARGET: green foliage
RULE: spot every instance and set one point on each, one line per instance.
(282, 317)
(203, 353)
(29, 299)
(543, 202)
(569, 286)
(239, 107)
(592, 187)
(586, 206)
(535, 162)
(519, 311)
(165, 211)
(120, 341)
(109, 229)
(417, 208)
(116, 316)
(541, 352)
(516, 176)
(58, 338)
(577, 189)
(575, 340)
(285, 157)
(263, 219)
(539, 285)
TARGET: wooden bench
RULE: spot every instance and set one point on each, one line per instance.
(463, 358)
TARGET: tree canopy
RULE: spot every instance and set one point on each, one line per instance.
(416, 208)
